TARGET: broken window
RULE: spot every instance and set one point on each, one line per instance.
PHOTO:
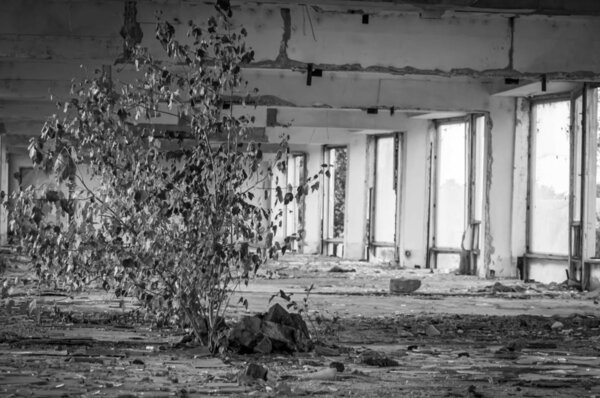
(451, 185)
(385, 196)
(550, 179)
(458, 192)
(334, 198)
(294, 211)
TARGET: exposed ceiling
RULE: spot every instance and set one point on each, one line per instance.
(516, 7)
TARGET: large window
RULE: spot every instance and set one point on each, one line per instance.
(334, 199)
(458, 190)
(550, 179)
(384, 197)
(451, 185)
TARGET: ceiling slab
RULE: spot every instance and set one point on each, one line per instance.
(535, 89)
(539, 7)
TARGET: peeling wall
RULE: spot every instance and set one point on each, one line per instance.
(498, 244)
(414, 205)
(401, 60)
(551, 44)
(520, 179)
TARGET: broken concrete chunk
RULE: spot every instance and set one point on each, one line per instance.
(324, 374)
(278, 314)
(500, 288)
(264, 346)
(298, 323)
(337, 268)
(246, 333)
(405, 333)
(337, 366)
(326, 351)
(432, 331)
(404, 286)
(374, 358)
(253, 372)
(276, 331)
(557, 325)
(281, 336)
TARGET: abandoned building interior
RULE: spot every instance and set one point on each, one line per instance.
(441, 198)
(463, 135)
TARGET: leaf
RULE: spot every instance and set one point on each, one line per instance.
(283, 295)
(288, 198)
(279, 193)
(52, 196)
(299, 194)
(314, 186)
(32, 307)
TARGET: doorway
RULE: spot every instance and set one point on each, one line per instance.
(457, 187)
(385, 197)
(554, 220)
(334, 200)
(293, 220)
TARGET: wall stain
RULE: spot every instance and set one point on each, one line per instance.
(131, 32)
(281, 63)
(489, 248)
(511, 50)
(282, 57)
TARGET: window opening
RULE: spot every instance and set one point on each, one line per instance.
(549, 204)
(458, 186)
(334, 198)
(385, 197)
(294, 211)
(451, 185)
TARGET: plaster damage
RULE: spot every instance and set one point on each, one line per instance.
(131, 32)
(404, 64)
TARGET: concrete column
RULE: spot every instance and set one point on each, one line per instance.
(4, 189)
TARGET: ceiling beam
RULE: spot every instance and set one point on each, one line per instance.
(515, 7)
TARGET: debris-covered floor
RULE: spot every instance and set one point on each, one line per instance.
(455, 336)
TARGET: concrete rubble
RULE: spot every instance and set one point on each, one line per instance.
(276, 331)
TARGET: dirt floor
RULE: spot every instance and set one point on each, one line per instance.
(456, 336)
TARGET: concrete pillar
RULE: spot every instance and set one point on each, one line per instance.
(4, 189)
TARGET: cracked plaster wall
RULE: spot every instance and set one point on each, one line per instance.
(423, 51)
(497, 250)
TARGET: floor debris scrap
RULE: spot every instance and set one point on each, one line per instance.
(455, 336)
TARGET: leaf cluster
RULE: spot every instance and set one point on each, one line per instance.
(170, 216)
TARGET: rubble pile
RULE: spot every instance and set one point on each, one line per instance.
(277, 331)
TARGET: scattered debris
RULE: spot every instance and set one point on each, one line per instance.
(557, 325)
(276, 331)
(374, 358)
(502, 288)
(337, 366)
(432, 331)
(326, 351)
(404, 286)
(251, 374)
(510, 351)
(337, 268)
(323, 374)
(473, 393)
(405, 334)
